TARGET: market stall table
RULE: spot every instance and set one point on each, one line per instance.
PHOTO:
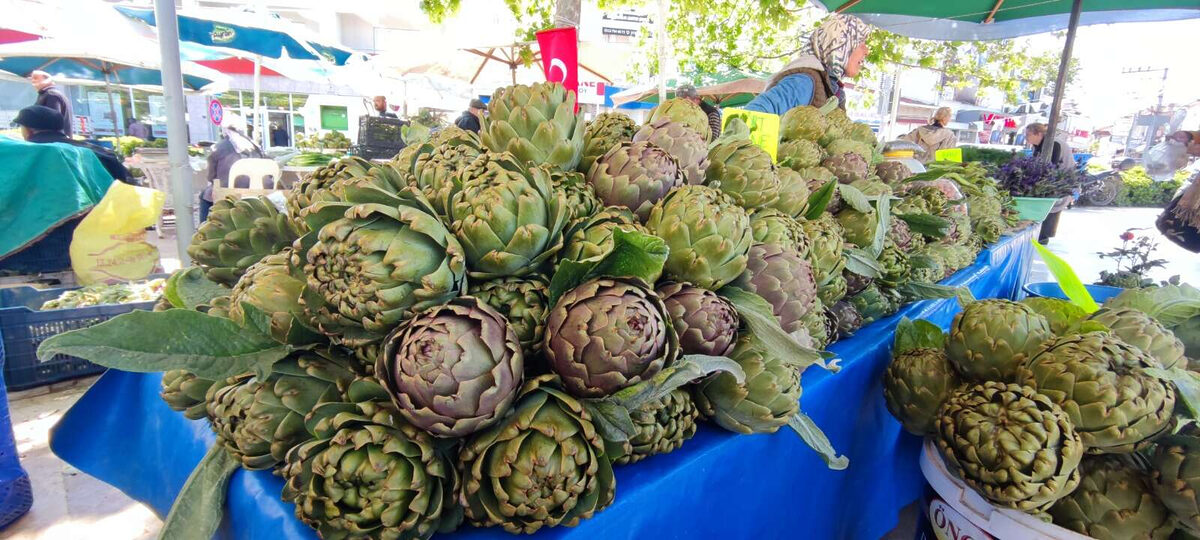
(718, 485)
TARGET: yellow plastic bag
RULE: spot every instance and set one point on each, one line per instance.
(110, 243)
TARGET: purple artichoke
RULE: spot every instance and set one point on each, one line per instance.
(705, 322)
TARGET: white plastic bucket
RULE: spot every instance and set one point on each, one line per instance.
(957, 512)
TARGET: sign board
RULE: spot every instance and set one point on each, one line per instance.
(100, 113)
(949, 154)
(764, 127)
(216, 112)
(335, 117)
(591, 92)
(621, 25)
(950, 525)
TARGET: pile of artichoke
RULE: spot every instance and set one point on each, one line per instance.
(1042, 408)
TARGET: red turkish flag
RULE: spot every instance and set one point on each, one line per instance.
(560, 58)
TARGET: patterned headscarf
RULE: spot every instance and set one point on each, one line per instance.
(835, 39)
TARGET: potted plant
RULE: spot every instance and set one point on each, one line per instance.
(1040, 190)
(1133, 262)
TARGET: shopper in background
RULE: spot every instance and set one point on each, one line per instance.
(1061, 154)
(42, 125)
(471, 118)
(279, 136)
(934, 136)
(834, 51)
(139, 129)
(381, 108)
(50, 96)
(689, 93)
(232, 147)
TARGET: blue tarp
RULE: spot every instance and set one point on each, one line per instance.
(719, 485)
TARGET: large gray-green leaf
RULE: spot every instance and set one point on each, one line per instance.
(189, 288)
(1187, 386)
(200, 505)
(926, 224)
(633, 254)
(883, 223)
(144, 341)
(915, 291)
(854, 198)
(918, 334)
(761, 321)
(862, 263)
(819, 199)
(1170, 305)
(816, 439)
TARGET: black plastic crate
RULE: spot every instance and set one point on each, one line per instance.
(23, 328)
(50, 254)
(381, 132)
(375, 152)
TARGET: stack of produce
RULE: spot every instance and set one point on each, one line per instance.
(117, 293)
(1043, 408)
(311, 159)
(490, 327)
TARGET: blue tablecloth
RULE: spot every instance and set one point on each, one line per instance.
(719, 485)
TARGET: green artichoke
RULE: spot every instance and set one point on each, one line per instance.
(1012, 445)
(607, 334)
(708, 234)
(453, 369)
(799, 154)
(405, 162)
(848, 167)
(892, 172)
(683, 112)
(705, 322)
(662, 427)
(766, 401)
(833, 290)
(543, 465)
(858, 228)
(536, 123)
(838, 126)
(863, 134)
(373, 268)
(983, 207)
(872, 187)
(367, 474)
(773, 227)
(989, 230)
(184, 392)
(508, 217)
(318, 186)
(745, 172)
(1114, 501)
(915, 385)
(850, 146)
(605, 131)
(594, 236)
(804, 122)
(270, 287)
(1101, 382)
(875, 302)
(820, 326)
(793, 193)
(524, 302)
(902, 236)
(439, 173)
(237, 234)
(784, 279)
(683, 143)
(582, 202)
(1061, 314)
(895, 266)
(825, 235)
(855, 282)
(923, 199)
(989, 339)
(635, 175)
(1140, 330)
(1175, 476)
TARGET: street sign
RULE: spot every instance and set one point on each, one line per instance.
(216, 112)
(764, 127)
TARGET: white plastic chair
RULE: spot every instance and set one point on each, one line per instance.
(264, 178)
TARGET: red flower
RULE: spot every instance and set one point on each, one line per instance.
(1126, 236)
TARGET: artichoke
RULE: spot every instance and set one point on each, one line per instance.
(858, 228)
(439, 172)
(594, 236)
(923, 199)
(872, 187)
(635, 175)
(875, 303)
(682, 142)
(766, 401)
(834, 290)
(582, 202)
(318, 186)
(662, 427)
(269, 286)
(708, 234)
(772, 227)
(895, 266)
(453, 369)
(373, 268)
(507, 216)
(1061, 314)
(1101, 382)
(793, 193)
(804, 122)
(184, 392)
(745, 172)
(237, 234)
(1114, 501)
(683, 112)
(850, 146)
(607, 334)
(903, 237)
(536, 123)
(1175, 476)
(1140, 330)
(848, 167)
(846, 317)
(989, 339)
(983, 207)
(826, 251)
(524, 302)
(989, 230)
(784, 279)
(1012, 445)
(799, 154)
(705, 322)
(820, 326)
(543, 465)
(367, 474)
(605, 131)
(855, 282)
(816, 178)
(862, 133)
(915, 385)
(892, 172)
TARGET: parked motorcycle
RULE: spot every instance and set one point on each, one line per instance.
(1102, 188)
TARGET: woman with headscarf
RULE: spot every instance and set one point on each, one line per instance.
(232, 147)
(834, 51)
(934, 136)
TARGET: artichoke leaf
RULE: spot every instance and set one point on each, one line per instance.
(854, 198)
(200, 505)
(914, 291)
(685, 370)
(862, 263)
(926, 224)
(819, 200)
(883, 224)
(918, 334)
(633, 254)
(816, 439)
(1187, 387)
(612, 420)
(829, 106)
(189, 288)
(1170, 305)
(759, 318)
(134, 342)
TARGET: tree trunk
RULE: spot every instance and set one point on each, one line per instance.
(566, 13)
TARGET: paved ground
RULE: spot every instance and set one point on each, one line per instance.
(71, 504)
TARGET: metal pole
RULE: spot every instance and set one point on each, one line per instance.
(177, 134)
(1153, 130)
(661, 38)
(112, 105)
(256, 121)
(1061, 83)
